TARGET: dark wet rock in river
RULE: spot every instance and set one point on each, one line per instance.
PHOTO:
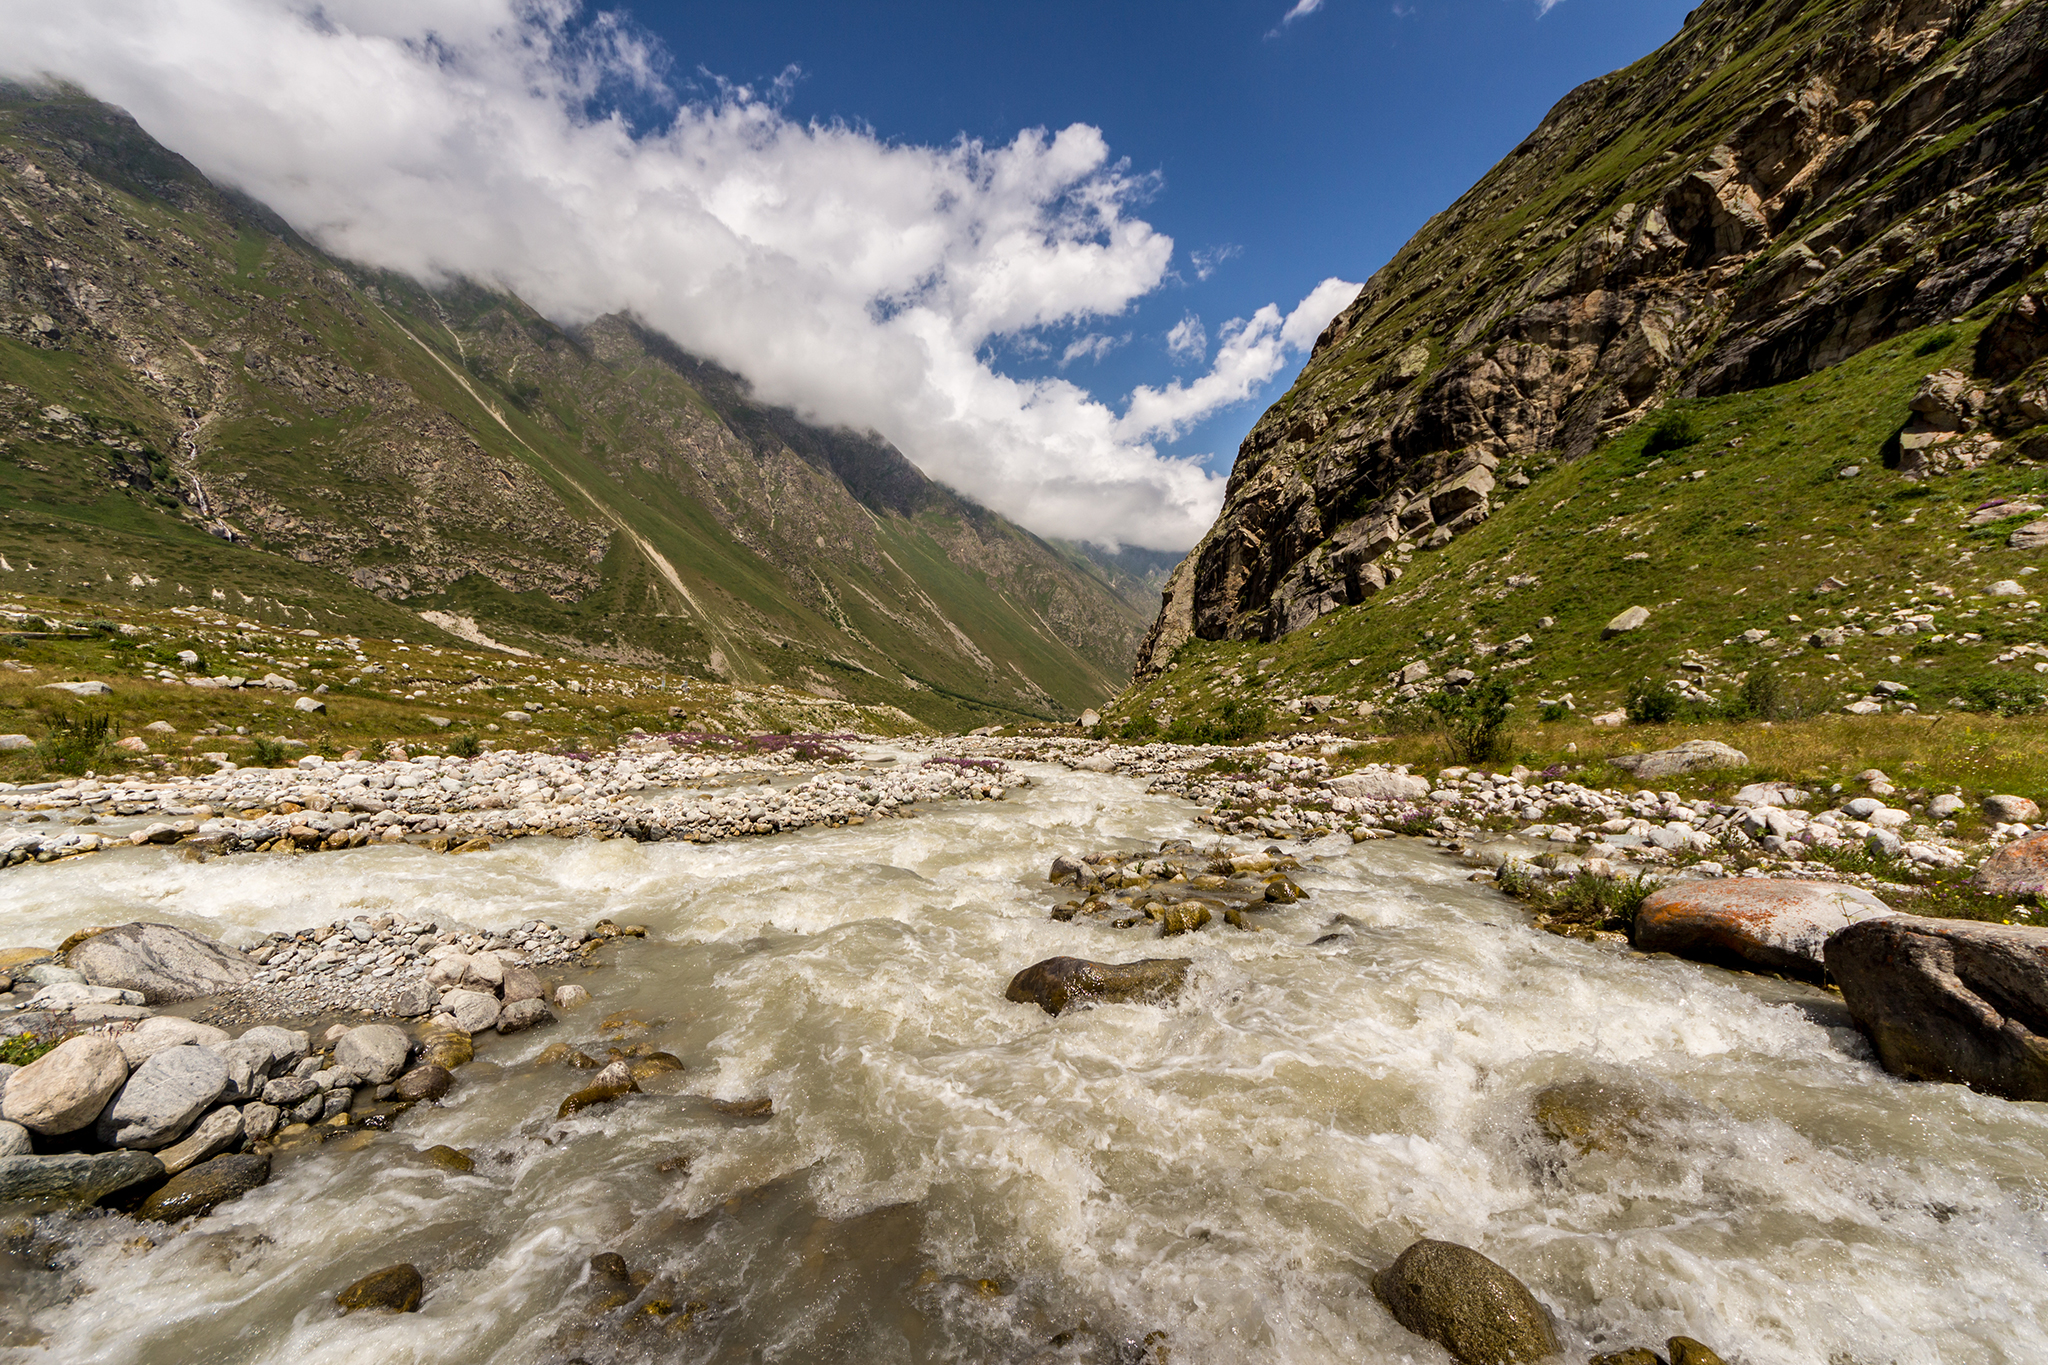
(1634, 1355)
(163, 962)
(1060, 983)
(206, 1186)
(1949, 1000)
(610, 1083)
(64, 1089)
(1466, 1304)
(1686, 1351)
(1765, 925)
(73, 1178)
(1184, 918)
(394, 1289)
(448, 1048)
(427, 1082)
(448, 1159)
(162, 1098)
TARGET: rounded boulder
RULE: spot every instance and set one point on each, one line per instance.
(376, 1052)
(66, 1088)
(162, 1098)
(1466, 1304)
(1752, 924)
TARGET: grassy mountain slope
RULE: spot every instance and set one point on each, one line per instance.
(1780, 187)
(198, 406)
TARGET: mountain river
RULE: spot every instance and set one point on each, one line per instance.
(948, 1176)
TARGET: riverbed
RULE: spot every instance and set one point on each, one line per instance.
(949, 1176)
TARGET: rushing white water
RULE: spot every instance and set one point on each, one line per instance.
(1227, 1171)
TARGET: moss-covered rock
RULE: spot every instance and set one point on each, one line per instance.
(207, 1186)
(394, 1289)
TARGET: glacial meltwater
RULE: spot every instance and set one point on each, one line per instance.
(949, 1176)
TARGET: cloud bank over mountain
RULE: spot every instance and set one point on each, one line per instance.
(862, 282)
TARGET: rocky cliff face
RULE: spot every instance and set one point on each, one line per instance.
(1781, 186)
(195, 402)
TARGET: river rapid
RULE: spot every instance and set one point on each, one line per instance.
(948, 1176)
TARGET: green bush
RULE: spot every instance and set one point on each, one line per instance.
(1474, 721)
(465, 746)
(2006, 696)
(1651, 701)
(1144, 725)
(1674, 431)
(1234, 723)
(75, 744)
(1554, 711)
(269, 753)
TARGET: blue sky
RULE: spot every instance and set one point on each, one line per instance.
(1293, 151)
(1061, 254)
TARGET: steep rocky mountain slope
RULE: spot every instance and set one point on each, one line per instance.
(1780, 189)
(195, 404)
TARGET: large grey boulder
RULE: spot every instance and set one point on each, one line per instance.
(74, 1178)
(1695, 755)
(1379, 785)
(162, 1098)
(376, 1052)
(165, 1031)
(64, 1089)
(248, 1066)
(1466, 1304)
(1755, 924)
(164, 963)
(474, 1011)
(14, 1140)
(1061, 983)
(1950, 1000)
(1633, 619)
(286, 1045)
(74, 995)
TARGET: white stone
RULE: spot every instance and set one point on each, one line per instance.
(64, 1089)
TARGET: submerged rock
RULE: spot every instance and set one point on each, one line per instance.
(394, 1289)
(1059, 983)
(1466, 1304)
(610, 1083)
(1686, 1351)
(1946, 1000)
(448, 1159)
(1596, 1116)
(76, 1178)
(1755, 924)
(64, 1089)
(206, 1186)
(448, 1048)
(163, 962)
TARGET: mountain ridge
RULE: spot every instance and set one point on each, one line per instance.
(189, 385)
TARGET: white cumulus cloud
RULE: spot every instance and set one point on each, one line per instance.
(1248, 354)
(1303, 8)
(1188, 341)
(860, 281)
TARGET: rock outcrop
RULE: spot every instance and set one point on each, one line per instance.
(163, 962)
(1950, 1000)
(1776, 189)
(2018, 869)
(1759, 925)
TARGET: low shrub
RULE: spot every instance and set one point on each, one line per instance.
(75, 744)
(1234, 723)
(1674, 431)
(1144, 725)
(465, 746)
(270, 753)
(1474, 720)
(1651, 701)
